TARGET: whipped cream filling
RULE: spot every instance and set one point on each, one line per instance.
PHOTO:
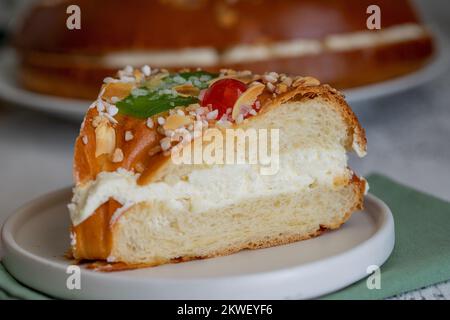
(209, 56)
(214, 187)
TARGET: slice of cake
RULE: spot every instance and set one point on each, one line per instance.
(171, 167)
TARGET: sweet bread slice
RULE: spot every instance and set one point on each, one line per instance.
(172, 167)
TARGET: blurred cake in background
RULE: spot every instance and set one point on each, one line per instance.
(324, 38)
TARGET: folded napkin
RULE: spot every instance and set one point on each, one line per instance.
(10, 288)
(421, 256)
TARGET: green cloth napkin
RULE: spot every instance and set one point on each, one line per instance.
(421, 256)
(10, 288)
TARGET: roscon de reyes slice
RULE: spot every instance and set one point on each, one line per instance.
(133, 205)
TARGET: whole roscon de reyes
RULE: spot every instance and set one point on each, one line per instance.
(134, 205)
(335, 40)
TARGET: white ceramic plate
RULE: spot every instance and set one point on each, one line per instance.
(11, 92)
(75, 109)
(36, 237)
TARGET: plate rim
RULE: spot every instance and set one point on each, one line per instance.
(433, 68)
(385, 230)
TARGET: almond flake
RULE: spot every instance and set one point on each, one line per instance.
(212, 115)
(247, 99)
(245, 78)
(187, 90)
(105, 138)
(310, 81)
(306, 81)
(119, 90)
(269, 78)
(117, 155)
(240, 118)
(146, 70)
(139, 167)
(138, 75)
(112, 110)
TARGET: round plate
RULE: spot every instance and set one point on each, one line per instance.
(75, 109)
(10, 91)
(36, 237)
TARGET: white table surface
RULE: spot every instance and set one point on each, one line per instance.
(408, 135)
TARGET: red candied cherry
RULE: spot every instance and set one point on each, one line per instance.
(223, 94)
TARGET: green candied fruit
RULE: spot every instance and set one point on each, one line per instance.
(146, 102)
(144, 106)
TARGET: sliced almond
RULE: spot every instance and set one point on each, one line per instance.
(120, 90)
(245, 78)
(105, 138)
(176, 121)
(305, 81)
(247, 99)
(226, 16)
(310, 81)
(187, 90)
